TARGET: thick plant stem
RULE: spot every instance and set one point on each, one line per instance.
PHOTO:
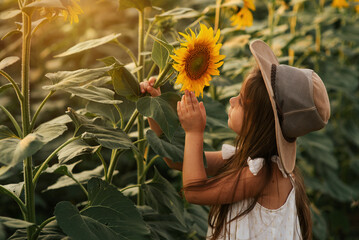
(140, 179)
(113, 163)
(38, 230)
(25, 115)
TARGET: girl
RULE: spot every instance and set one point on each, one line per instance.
(254, 189)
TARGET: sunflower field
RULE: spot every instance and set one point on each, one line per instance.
(77, 157)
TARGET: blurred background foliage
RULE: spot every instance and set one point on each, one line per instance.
(308, 34)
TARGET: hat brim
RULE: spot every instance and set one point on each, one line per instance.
(265, 57)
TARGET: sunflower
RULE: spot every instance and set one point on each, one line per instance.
(72, 10)
(244, 17)
(198, 59)
(340, 3)
(357, 6)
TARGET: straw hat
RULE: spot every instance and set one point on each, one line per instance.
(299, 100)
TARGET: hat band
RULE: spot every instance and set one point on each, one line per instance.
(279, 110)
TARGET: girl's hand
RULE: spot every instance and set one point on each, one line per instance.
(147, 86)
(191, 114)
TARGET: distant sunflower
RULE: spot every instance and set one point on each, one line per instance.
(73, 9)
(340, 3)
(244, 17)
(357, 6)
(198, 59)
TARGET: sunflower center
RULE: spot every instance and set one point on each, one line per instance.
(197, 62)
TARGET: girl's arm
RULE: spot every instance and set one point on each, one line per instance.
(214, 159)
(197, 188)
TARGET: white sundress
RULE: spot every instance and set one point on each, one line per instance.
(262, 223)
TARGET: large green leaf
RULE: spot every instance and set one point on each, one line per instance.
(163, 110)
(124, 82)
(197, 219)
(165, 202)
(160, 54)
(216, 114)
(67, 79)
(15, 150)
(67, 179)
(95, 94)
(173, 151)
(111, 206)
(74, 149)
(107, 137)
(83, 46)
(50, 232)
(108, 112)
(139, 4)
(82, 227)
(8, 61)
(162, 226)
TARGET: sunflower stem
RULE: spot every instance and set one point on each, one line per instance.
(25, 116)
(161, 80)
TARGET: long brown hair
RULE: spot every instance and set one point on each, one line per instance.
(256, 139)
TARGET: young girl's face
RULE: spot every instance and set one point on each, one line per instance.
(235, 114)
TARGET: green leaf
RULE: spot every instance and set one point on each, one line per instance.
(28, 146)
(139, 4)
(67, 79)
(74, 149)
(7, 149)
(5, 87)
(165, 202)
(5, 132)
(180, 13)
(173, 151)
(124, 82)
(197, 219)
(81, 227)
(163, 43)
(107, 137)
(95, 94)
(53, 128)
(8, 61)
(15, 223)
(9, 14)
(162, 226)
(66, 181)
(50, 232)
(110, 205)
(15, 188)
(160, 54)
(45, 4)
(105, 111)
(162, 110)
(83, 46)
(216, 114)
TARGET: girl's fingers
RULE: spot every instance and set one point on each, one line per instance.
(189, 100)
(152, 81)
(194, 101)
(184, 107)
